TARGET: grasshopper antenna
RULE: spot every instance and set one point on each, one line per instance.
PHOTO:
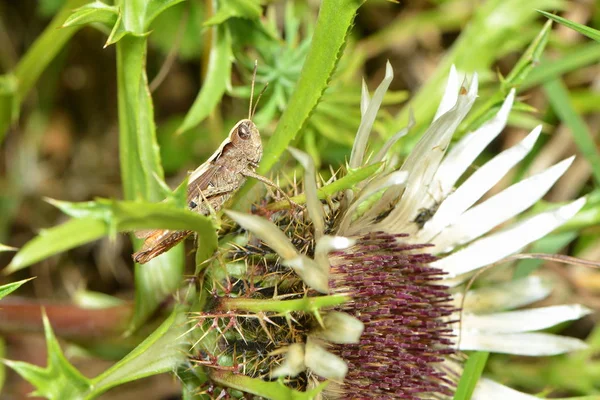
(258, 99)
(252, 89)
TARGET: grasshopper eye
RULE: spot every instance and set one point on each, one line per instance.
(243, 131)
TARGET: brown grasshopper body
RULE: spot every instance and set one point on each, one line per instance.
(211, 185)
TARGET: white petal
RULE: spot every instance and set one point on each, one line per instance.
(423, 162)
(365, 98)
(450, 94)
(293, 362)
(487, 389)
(477, 185)
(311, 273)
(500, 208)
(502, 244)
(313, 204)
(323, 363)
(505, 295)
(523, 320)
(374, 186)
(341, 328)
(391, 141)
(463, 153)
(327, 244)
(266, 231)
(526, 344)
(366, 122)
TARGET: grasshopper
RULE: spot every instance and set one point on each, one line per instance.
(215, 181)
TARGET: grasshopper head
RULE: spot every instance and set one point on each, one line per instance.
(245, 136)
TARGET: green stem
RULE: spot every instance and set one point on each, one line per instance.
(345, 182)
(141, 170)
(306, 304)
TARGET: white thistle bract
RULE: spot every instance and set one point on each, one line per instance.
(398, 248)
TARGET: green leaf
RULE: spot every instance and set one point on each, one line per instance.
(32, 64)
(204, 251)
(155, 281)
(119, 31)
(5, 248)
(520, 72)
(471, 374)
(270, 390)
(99, 209)
(93, 13)
(59, 380)
(558, 95)
(584, 30)
(73, 233)
(334, 21)
(160, 352)
(7, 289)
(483, 37)
(95, 300)
(167, 32)
(155, 7)
(136, 16)
(573, 59)
(346, 182)
(45, 48)
(249, 9)
(137, 215)
(109, 216)
(528, 61)
(216, 81)
(9, 102)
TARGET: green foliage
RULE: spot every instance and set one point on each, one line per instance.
(4, 248)
(572, 59)
(16, 85)
(107, 217)
(559, 99)
(7, 289)
(166, 30)
(272, 390)
(217, 78)
(471, 374)
(306, 304)
(59, 380)
(249, 9)
(348, 181)
(335, 19)
(477, 48)
(584, 30)
(162, 351)
(519, 74)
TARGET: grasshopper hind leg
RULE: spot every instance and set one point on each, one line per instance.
(159, 243)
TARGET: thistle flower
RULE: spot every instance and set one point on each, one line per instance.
(390, 257)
